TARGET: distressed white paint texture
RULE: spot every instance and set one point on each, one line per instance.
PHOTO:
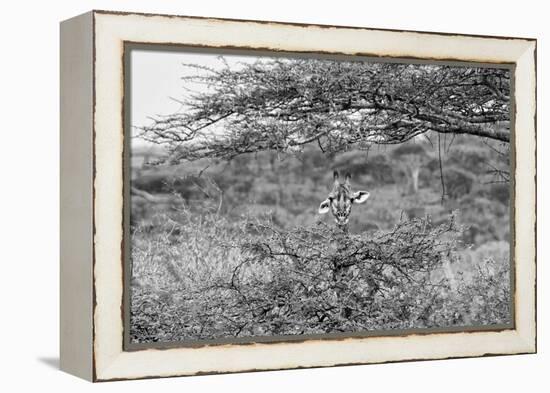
(112, 30)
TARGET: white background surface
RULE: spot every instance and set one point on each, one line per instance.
(29, 183)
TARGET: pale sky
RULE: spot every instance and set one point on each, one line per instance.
(156, 76)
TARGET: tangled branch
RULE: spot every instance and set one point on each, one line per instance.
(281, 105)
(320, 279)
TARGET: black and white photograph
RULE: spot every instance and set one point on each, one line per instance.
(275, 197)
(279, 196)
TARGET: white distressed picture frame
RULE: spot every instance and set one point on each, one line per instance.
(92, 167)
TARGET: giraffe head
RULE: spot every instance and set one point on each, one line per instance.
(341, 199)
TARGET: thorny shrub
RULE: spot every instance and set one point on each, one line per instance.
(252, 278)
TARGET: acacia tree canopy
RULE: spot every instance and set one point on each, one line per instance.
(283, 104)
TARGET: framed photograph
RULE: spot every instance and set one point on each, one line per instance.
(246, 195)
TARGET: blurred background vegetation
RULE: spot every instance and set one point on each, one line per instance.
(403, 179)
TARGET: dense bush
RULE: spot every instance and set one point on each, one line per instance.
(261, 279)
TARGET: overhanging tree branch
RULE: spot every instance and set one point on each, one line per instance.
(283, 104)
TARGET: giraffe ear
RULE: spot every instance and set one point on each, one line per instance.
(324, 206)
(360, 197)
